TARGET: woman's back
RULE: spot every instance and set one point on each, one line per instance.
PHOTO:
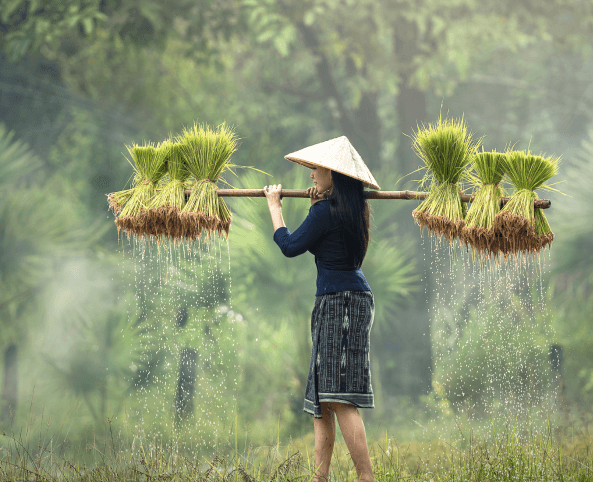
(322, 235)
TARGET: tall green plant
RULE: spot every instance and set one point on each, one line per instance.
(446, 148)
(574, 252)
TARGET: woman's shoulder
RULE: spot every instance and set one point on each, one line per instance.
(320, 208)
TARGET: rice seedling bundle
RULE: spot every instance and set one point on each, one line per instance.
(447, 148)
(149, 168)
(516, 222)
(543, 233)
(478, 231)
(165, 207)
(207, 154)
(118, 199)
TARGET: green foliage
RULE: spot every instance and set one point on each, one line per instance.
(286, 75)
(369, 54)
(211, 334)
(575, 244)
(573, 324)
(271, 290)
(182, 302)
(31, 239)
(32, 25)
(51, 25)
(572, 267)
(98, 360)
(494, 360)
(16, 160)
(39, 227)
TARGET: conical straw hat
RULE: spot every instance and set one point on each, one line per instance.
(338, 155)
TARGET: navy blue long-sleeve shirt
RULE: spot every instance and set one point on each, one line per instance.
(322, 236)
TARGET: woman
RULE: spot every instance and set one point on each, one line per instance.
(336, 231)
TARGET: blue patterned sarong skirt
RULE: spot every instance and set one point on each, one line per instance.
(340, 370)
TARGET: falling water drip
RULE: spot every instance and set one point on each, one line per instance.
(179, 289)
(490, 333)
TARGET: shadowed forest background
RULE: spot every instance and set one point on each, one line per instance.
(81, 79)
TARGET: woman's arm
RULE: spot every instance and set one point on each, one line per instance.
(312, 228)
(275, 205)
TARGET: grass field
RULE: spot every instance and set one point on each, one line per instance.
(548, 457)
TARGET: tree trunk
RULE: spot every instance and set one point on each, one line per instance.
(362, 126)
(186, 384)
(413, 356)
(10, 388)
(411, 111)
(367, 139)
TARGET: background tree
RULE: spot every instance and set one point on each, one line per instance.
(39, 229)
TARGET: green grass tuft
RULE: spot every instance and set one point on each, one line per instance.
(502, 458)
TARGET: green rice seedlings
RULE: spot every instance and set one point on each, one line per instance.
(117, 200)
(543, 233)
(478, 231)
(447, 149)
(516, 221)
(167, 204)
(156, 220)
(207, 154)
(149, 170)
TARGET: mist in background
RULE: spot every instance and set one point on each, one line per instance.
(80, 80)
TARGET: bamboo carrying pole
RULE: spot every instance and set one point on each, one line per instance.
(418, 195)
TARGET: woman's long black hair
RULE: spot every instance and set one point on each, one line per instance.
(350, 207)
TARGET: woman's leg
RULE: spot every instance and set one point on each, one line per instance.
(325, 436)
(354, 435)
